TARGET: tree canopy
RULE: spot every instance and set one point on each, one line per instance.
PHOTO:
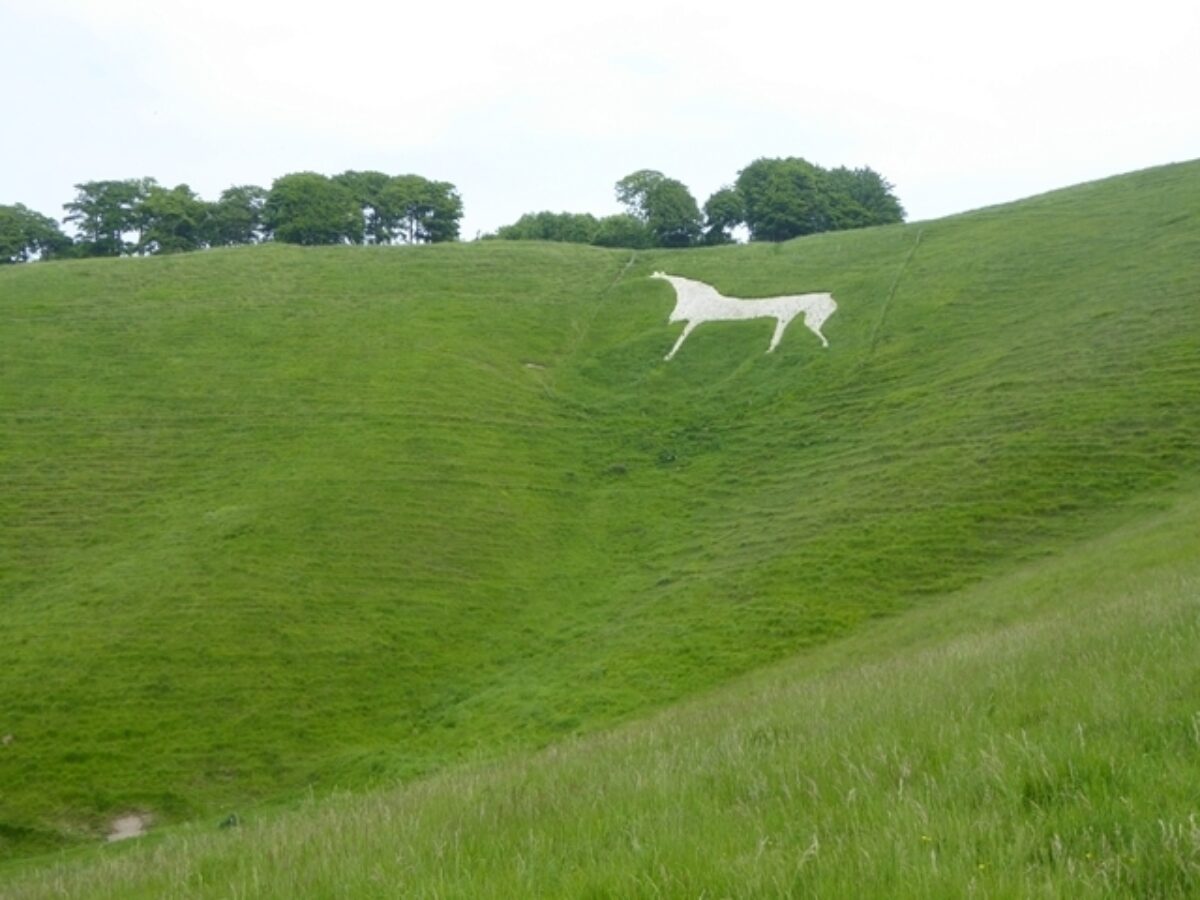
(236, 218)
(787, 198)
(26, 235)
(665, 206)
(573, 228)
(307, 208)
(623, 230)
(419, 211)
(105, 213)
(367, 190)
(723, 212)
(138, 216)
(170, 220)
(660, 212)
(776, 199)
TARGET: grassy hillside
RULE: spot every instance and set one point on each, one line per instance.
(1035, 736)
(275, 518)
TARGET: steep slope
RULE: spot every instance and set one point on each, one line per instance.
(275, 517)
(1035, 736)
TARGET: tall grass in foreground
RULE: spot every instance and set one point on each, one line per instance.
(1036, 736)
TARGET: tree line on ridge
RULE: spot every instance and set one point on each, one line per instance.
(773, 199)
(138, 216)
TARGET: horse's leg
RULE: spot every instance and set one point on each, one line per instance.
(814, 320)
(816, 314)
(687, 329)
(781, 324)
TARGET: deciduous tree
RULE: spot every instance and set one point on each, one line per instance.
(786, 198)
(862, 198)
(236, 218)
(171, 220)
(105, 215)
(421, 211)
(308, 208)
(623, 230)
(665, 205)
(723, 212)
(368, 188)
(782, 198)
(572, 228)
(26, 235)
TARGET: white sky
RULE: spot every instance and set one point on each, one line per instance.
(528, 105)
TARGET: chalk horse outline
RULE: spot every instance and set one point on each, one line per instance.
(697, 302)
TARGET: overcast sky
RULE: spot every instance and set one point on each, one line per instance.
(528, 105)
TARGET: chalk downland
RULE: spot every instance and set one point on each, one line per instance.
(284, 520)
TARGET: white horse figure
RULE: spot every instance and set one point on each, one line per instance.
(697, 302)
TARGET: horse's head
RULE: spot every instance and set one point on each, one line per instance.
(679, 313)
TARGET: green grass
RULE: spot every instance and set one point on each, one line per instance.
(1035, 736)
(277, 519)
